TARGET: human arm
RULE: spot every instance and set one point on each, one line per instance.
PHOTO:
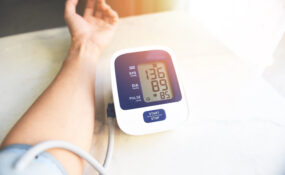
(66, 109)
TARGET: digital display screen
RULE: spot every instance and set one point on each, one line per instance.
(155, 82)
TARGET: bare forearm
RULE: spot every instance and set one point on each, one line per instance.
(65, 111)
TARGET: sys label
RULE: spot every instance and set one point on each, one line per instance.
(154, 115)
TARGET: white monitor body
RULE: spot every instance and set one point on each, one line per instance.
(147, 90)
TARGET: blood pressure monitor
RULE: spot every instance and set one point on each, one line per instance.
(147, 92)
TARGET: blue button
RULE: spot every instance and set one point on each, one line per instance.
(154, 116)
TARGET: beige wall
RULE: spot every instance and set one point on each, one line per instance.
(136, 7)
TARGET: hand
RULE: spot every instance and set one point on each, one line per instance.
(96, 27)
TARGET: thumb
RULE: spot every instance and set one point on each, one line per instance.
(70, 11)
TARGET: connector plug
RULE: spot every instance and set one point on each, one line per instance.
(111, 110)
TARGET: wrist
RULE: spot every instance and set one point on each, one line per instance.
(82, 55)
(83, 50)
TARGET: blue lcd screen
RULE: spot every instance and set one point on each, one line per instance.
(146, 78)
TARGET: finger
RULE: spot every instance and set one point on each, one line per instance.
(99, 5)
(110, 15)
(113, 15)
(115, 18)
(98, 10)
(70, 8)
(98, 14)
(90, 8)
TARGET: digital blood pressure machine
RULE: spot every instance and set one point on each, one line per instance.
(147, 92)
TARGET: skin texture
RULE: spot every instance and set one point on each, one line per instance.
(66, 109)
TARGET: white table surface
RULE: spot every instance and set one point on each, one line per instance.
(237, 119)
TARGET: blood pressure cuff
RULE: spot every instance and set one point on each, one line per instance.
(44, 164)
